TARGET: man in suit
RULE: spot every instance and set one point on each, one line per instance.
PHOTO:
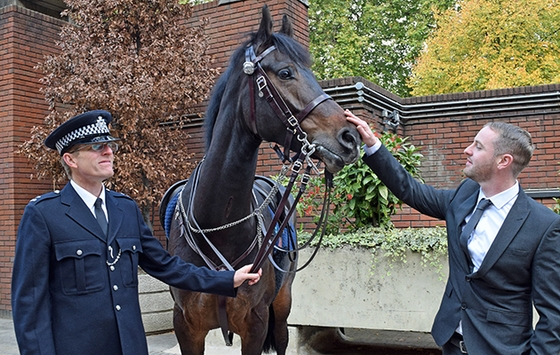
(75, 275)
(507, 264)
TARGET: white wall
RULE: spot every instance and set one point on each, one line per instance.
(338, 289)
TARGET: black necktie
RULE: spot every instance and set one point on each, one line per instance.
(471, 225)
(100, 215)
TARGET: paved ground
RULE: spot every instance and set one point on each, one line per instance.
(7, 338)
(161, 344)
(362, 342)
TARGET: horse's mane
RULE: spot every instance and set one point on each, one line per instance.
(285, 44)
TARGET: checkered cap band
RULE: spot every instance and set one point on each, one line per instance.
(94, 129)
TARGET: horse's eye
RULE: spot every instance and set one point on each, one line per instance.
(285, 74)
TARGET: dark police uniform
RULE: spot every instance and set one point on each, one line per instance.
(75, 289)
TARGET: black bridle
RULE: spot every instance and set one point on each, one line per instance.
(266, 88)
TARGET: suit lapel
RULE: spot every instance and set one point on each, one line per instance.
(465, 208)
(79, 212)
(513, 222)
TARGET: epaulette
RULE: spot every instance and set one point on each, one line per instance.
(46, 196)
(118, 194)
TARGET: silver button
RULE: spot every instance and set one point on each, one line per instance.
(134, 247)
(115, 287)
(112, 268)
(79, 252)
(118, 308)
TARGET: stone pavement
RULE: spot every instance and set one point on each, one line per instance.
(160, 344)
(166, 344)
(7, 337)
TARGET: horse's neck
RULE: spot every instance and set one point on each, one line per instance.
(224, 191)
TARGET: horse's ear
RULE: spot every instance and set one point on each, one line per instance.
(287, 27)
(265, 29)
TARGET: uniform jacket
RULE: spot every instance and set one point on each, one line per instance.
(521, 267)
(67, 299)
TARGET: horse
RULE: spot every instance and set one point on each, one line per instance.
(214, 223)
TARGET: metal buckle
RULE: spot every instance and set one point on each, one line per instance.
(293, 121)
(305, 178)
(462, 347)
(297, 166)
(261, 82)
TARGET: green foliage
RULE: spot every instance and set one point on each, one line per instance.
(362, 208)
(393, 245)
(378, 40)
(359, 198)
(490, 44)
(556, 207)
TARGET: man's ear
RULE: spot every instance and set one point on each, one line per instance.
(505, 161)
(69, 160)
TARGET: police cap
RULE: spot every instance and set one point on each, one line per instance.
(86, 128)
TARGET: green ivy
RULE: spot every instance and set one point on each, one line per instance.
(392, 245)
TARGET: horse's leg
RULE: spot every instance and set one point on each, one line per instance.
(190, 341)
(254, 330)
(281, 307)
(250, 312)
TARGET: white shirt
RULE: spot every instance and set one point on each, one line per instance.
(487, 228)
(374, 148)
(89, 198)
(490, 223)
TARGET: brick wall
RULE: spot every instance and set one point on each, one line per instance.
(442, 125)
(25, 38)
(230, 23)
(443, 138)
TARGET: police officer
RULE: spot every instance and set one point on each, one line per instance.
(75, 275)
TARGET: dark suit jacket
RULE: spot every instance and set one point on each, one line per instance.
(66, 299)
(522, 267)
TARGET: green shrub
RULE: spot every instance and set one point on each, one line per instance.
(359, 198)
(361, 210)
(556, 207)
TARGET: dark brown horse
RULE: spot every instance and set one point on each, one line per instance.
(215, 223)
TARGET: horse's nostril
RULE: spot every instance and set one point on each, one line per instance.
(347, 139)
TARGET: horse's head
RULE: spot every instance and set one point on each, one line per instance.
(312, 116)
